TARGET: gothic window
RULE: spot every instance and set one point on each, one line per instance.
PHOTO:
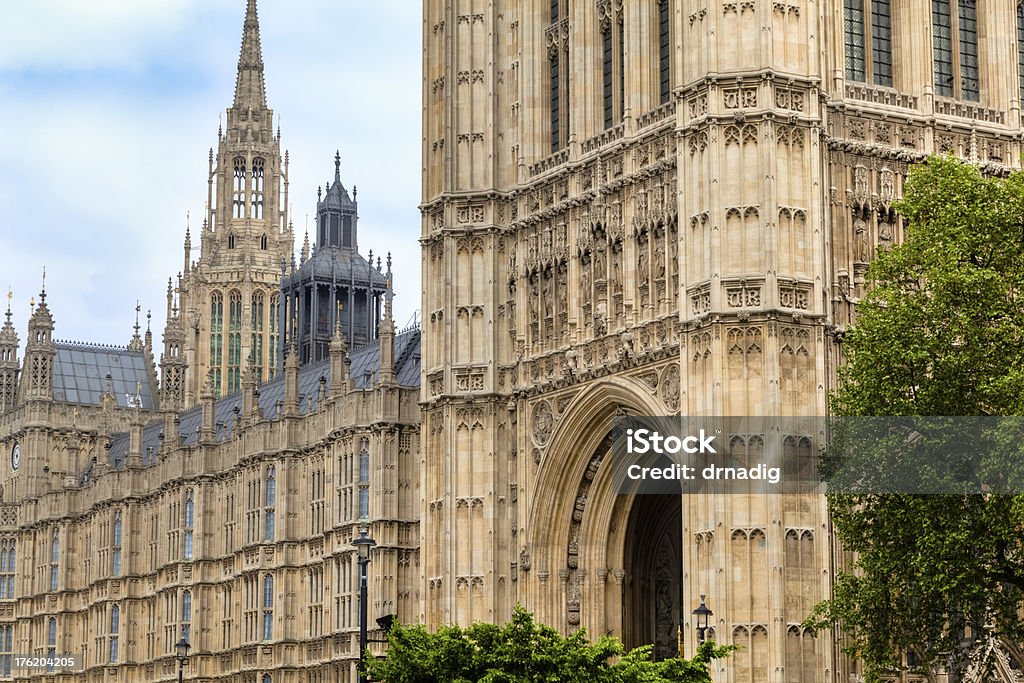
(234, 340)
(613, 68)
(252, 514)
(239, 189)
(231, 240)
(6, 650)
(558, 75)
(54, 560)
(333, 239)
(273, 338)
(1020, 48)
(116, 556)
(7, 557)
(364, 480)
(216, 339)
(257, 188)
(190, 510)
(859, 33)
(257, 334)
(269, 504)
(664, 53)
(51, 641)
(267, 679)
(263, 242)
(115, 631)
(346, 231)
(955, 48)
(268, 607)
(186, 616)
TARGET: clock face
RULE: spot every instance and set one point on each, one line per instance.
(16, 455)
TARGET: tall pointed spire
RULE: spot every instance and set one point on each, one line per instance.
(250, 90)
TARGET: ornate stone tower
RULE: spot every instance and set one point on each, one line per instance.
(172, 360)
(333, 282)
(8, 362)
(37, 375)
(229, 298)
(664, 207)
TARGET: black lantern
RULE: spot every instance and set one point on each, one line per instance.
(181, 649)
(702, 617)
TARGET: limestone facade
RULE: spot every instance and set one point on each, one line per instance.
(660, 207)
(664, 207)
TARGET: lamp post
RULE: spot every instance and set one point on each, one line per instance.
(363, 545)
(703, 616)
(181, 649)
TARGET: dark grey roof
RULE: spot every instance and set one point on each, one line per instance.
(363, 371)
(80, 371)
(338, 264)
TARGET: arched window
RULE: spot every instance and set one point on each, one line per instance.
(664, 52)
(239, 188)
(1020, 48)
(364, 479)
(274, 338)
(267, 679)
(955, 48)
(190, 511)
(269, 504)
(7, 557)
(186, 616)
(116, 557)
(234, 340)
(231, 240)
(862, 62)
(263, 242)
(216, 339)
(613, 68)
(257, 334)
(558, 75)
(268, 607)
(115, 631)
(257, 188)
(51, 641)
(54, 561)
(6, 650)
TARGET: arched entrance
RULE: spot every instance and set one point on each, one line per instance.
(596, 556)
(653, 564)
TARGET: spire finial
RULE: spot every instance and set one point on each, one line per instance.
(42, 294)
(337, 166)
(10, 297)
(249, 88)
(138, 309)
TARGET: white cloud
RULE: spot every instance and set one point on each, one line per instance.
(110, 107)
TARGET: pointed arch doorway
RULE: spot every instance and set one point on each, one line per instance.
(653, 564)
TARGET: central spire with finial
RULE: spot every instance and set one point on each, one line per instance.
(337, 166)
(250, 90)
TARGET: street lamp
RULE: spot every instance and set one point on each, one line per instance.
(363, 545)
(703, 616)
(181, 649)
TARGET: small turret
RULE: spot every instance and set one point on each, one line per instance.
(8, 361)
(39, 353)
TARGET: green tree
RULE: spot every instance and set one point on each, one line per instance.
(523, 651)
(940, 332)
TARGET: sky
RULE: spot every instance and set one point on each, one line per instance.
(108, 109)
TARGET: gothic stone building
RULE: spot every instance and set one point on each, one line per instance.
(664, 207)
(650, 207)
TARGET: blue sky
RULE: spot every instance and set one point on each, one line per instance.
(108, 109)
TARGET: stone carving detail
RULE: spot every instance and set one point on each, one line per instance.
(669, 389)
(794, 295)
(786, 98)
(543, 422)
(743, 296)
(739, 98)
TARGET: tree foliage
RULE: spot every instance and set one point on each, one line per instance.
(940, 332)
(523, 651)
